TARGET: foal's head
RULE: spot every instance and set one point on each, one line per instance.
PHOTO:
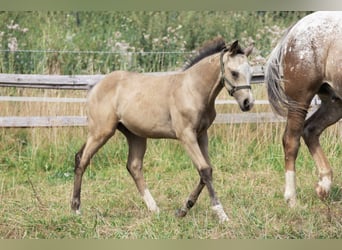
(237, 73)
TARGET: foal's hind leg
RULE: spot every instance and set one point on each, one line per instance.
(98, 136)
(329, 113)
(137, 149)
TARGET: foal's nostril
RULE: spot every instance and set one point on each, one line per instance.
(247, 104)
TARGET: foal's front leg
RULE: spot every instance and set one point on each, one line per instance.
(198, 152)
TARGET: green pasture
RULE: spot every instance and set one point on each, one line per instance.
(36, 164)
(36, 178)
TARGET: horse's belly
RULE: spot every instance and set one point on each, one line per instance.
(147, 127)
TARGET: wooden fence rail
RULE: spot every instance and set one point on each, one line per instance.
(79, 82)
(84, 82)
(69, 121)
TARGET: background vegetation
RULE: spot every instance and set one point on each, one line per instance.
(99, 42)
(36, 165)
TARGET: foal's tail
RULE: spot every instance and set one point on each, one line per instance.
(273, 78)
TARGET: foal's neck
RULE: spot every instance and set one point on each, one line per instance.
(207, 77)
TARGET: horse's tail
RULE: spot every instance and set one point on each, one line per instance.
(273, 78)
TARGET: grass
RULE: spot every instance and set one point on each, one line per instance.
(36, 165)
(37, 177)
(36, 180)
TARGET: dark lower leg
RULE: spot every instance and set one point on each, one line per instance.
(190, 202)
(206, 175)
(78, 173)
(82, 160)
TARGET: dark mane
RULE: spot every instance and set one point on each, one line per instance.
(209, 48)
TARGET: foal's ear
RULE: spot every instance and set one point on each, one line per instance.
(247, 51)
(235, 48)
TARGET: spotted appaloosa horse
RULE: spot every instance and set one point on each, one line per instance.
(310, 56)
(177, 106)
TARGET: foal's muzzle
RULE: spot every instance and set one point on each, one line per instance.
(247, 105)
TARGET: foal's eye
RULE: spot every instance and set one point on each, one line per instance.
(235, 74)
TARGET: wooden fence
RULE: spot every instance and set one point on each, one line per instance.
(83, 82)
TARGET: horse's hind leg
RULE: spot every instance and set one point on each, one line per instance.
(98, 136)
(329, 113)
(136, 152)
(291, 144)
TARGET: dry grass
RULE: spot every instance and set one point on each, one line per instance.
(36, 178)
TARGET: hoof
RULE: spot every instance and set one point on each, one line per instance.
(321, 192)
(291, 202)
(154, 210)
(323, 187)
(218, 209)
(76, 211)
(181, 212)
(223, 219)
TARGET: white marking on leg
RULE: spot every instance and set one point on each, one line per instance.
(325, 184)
(290, 188)
(78, 212)
(150, 202)
(220, 213)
